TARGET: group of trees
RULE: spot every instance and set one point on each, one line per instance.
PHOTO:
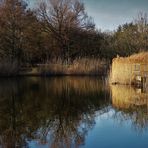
(17, 33)
(62, 29)
(132, 37)
(58, 28)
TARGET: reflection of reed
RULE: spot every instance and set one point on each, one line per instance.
(132, 104)
(126, 96)
(77, 84)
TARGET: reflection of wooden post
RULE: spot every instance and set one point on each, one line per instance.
(143, 82)
(145, 76)
(131, 75)
(146, 82)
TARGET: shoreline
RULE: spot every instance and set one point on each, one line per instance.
(53, 75)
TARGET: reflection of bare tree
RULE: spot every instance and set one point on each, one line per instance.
(67, 133)
(75, 108)
(57, 111)
(9, 117)
(131, 104)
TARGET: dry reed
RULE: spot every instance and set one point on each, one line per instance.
(136, 58)
(77, 67)
(123, 69)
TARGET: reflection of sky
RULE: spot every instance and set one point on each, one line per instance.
(108, 132)
(108, 14)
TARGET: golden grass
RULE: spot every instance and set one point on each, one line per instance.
(121, 73)
(135, 58)
(123, 67)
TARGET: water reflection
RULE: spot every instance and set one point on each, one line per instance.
(57, 112)
(60, 112)
(131, 104)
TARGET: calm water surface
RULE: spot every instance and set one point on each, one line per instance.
(71, 112)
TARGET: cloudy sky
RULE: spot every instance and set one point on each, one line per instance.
(108, 14)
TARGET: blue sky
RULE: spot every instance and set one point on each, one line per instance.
(108, 14)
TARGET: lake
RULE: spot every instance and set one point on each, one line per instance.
(72, 112)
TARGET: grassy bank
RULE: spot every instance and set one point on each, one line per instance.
(83, 66)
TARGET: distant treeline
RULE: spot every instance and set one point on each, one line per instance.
(62, 29)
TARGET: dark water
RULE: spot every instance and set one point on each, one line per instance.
(71, 112)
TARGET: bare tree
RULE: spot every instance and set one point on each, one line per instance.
(12, 15)
(60, 17)
(142, 29)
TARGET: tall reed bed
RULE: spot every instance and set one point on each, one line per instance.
(120, 72)
(84, 66)
(124, 70)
